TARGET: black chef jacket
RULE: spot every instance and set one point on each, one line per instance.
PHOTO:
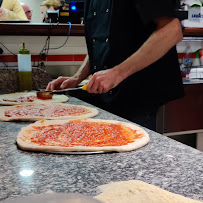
(115, 29)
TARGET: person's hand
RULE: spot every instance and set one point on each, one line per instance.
(3, 14)
(103, 81)
(62, 83)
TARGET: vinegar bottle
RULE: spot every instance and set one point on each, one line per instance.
(25, 69)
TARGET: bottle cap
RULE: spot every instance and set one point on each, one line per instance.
(23, 50)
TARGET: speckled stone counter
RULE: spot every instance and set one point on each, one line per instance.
(163, 162)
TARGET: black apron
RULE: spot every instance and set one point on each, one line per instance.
(115, 29)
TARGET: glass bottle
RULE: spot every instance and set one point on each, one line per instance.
(25, 69)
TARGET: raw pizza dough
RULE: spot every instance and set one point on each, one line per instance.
(17, 95)
(139, 136)
(135, 191)
(33, 112)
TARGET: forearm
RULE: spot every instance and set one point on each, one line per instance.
(84, 70)
(167, 35)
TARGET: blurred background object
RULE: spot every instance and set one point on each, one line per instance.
(27, 11)
(49, 6)
(64, 5)
(11, 10)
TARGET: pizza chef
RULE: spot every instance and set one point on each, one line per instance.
(132, 58)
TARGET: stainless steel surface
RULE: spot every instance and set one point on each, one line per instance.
(192, 81)
(192, 38)
(61, 70)
(65, 90)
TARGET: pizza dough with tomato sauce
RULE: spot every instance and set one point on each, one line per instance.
(29, 98)
(86, 135)
(30, 112)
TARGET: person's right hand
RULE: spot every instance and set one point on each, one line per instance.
(62, 83)
(3, 14)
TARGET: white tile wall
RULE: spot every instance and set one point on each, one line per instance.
(75, 45)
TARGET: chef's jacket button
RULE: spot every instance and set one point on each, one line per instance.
(93, 40)
(107, 39)
(110, 92)
(95, 13)
(107, 10)
(95, 67)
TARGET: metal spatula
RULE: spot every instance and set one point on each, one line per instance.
(49, 94)
(84, 87)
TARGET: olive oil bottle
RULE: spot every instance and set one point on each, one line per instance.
(24, 69)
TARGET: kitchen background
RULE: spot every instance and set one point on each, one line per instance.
(66, 60)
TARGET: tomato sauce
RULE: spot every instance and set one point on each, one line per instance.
(84, 133)
(20, 99)
(46, 111)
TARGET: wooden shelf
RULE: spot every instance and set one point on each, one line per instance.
(44, 29)
(41, 29)
(193, 32)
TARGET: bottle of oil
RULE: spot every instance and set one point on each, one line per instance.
(25, 69)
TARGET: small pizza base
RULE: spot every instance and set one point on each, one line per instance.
(3, 109)
(138, 143)
(55, 98)
(135, 191)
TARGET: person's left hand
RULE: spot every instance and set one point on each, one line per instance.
(3, 14)
(103, 81)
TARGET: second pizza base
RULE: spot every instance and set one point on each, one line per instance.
(30, 112)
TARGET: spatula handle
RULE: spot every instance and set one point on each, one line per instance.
(84, 87)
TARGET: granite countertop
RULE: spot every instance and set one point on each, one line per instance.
(164, 162)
